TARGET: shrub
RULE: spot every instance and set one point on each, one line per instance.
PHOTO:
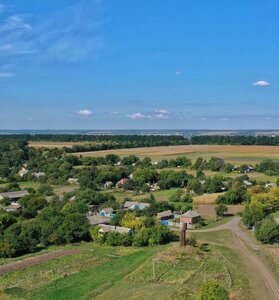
(212, 290)
(267, 231)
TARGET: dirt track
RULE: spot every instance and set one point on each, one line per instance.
(243, 243)
(36, 260)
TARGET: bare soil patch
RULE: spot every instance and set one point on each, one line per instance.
(209, 210)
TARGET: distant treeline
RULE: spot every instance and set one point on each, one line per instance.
(107, 142)
(234, 140)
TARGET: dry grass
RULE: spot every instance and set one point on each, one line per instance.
(234, 154)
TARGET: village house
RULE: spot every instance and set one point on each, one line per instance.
(191, 217)
(132, 205)
(14, 196)
(13, 207)
(165, 215)
(108, 212)
(109, 228)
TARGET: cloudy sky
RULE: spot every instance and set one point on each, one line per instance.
(122, 64)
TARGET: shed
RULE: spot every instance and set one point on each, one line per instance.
(13, 207)
(190, 217)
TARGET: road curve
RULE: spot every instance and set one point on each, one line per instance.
(244, 242)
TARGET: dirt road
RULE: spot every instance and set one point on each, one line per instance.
(243, 244)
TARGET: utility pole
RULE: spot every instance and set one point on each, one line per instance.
(154, 275)
(183, 228)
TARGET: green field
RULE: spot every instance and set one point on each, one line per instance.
(100, 272)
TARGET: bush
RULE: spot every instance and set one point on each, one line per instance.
(253, 213)
(212, 290)
(118, 239)
(267, 231)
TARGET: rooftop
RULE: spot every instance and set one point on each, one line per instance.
(110, 228)
(165, 213)
(14, 195)
(191, 214)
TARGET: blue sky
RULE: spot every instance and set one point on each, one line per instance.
(148, 64)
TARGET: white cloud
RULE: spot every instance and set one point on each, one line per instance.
(137, 116)
(85, 112)
(161, 111)
(15, 22)
(67, 35)
(6, 75)
(261, 83)
(158, 114)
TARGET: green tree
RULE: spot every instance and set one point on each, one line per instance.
(220, 210)
(74, 228)
(253, 213)
(267, 231)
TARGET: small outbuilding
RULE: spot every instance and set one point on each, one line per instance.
(23, 172)
(190, 217)
(39, 174)
(109, 228)
(13, 207)
(108, 212)
(73, 180)
(108, 185)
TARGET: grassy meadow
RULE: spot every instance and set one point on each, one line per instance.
(100, 272)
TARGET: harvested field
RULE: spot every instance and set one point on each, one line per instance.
(206, 198)
(54, 144)
(209, 210)
(234, 154)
